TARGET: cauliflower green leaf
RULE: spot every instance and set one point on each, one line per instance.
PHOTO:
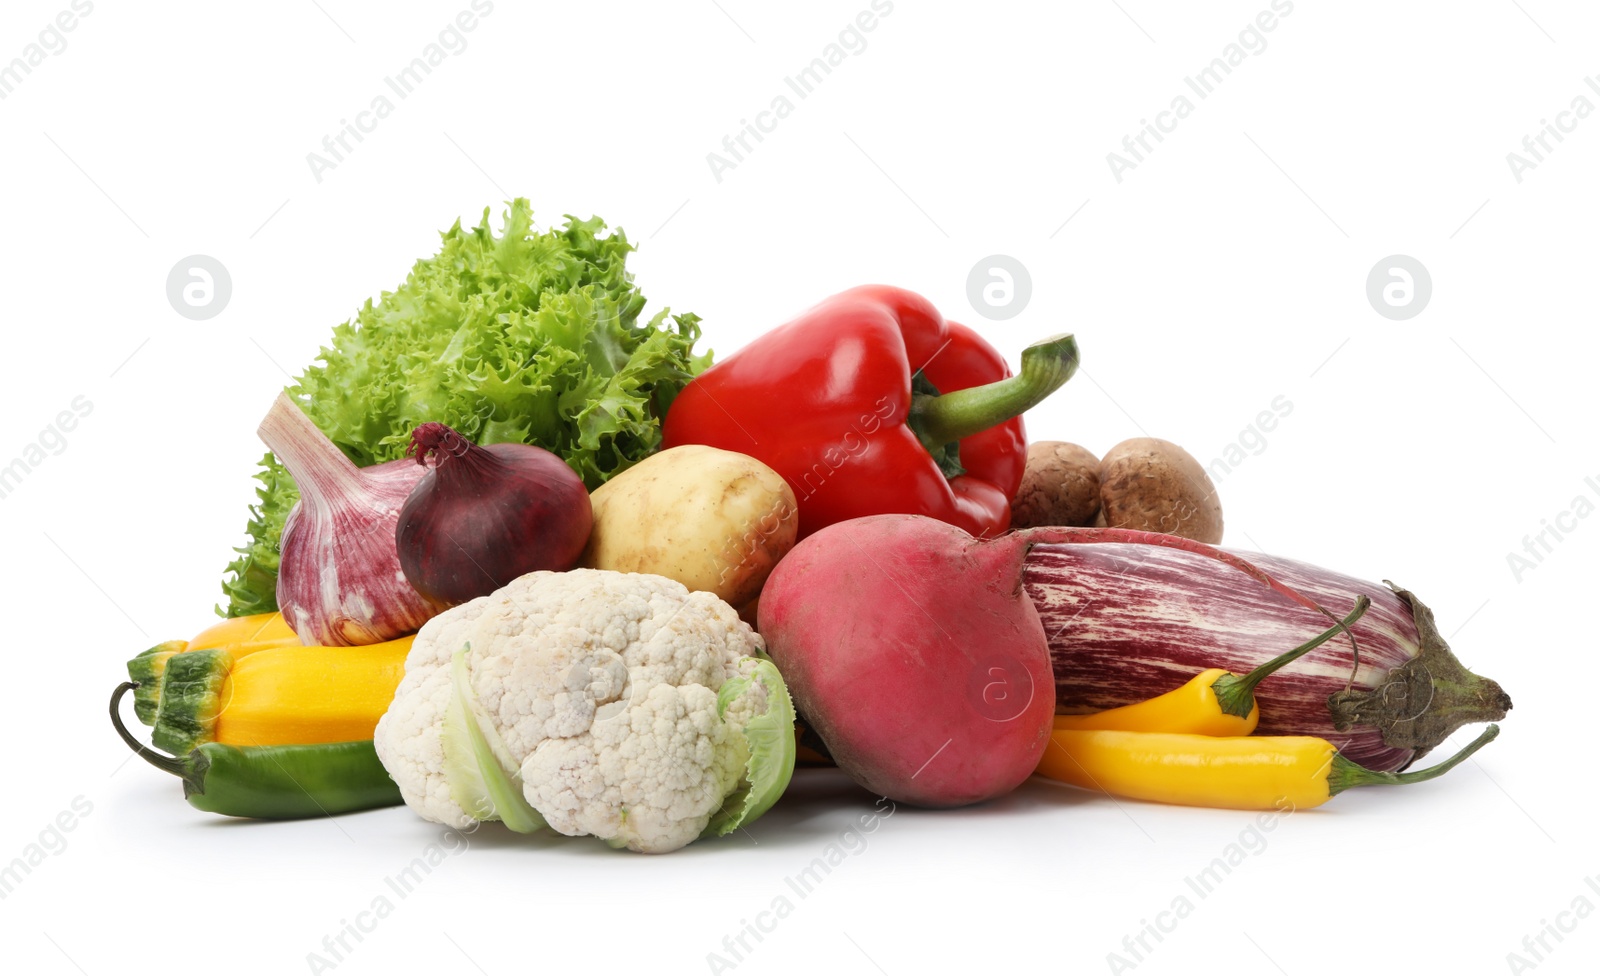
(478, 766)
(770, 736)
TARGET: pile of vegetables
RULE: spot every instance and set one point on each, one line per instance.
(522, 557)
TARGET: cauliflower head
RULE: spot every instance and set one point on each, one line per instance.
(615, 704)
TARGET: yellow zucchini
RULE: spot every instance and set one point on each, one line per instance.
(239, 635)
(246, 635)
(277, 696)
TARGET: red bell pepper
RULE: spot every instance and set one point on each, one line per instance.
(873, 403)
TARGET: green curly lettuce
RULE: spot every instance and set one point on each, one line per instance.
(252, 583)
(523, 337)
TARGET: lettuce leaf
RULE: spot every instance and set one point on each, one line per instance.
(523, 337)
(252, 583)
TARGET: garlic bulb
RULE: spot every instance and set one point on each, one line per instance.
(340, 581)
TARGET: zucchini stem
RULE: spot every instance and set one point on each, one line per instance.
(1345, 774)
(1235, 693)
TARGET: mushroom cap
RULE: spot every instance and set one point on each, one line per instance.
(1156, 486)
(1060, 486)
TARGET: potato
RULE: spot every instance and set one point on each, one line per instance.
(1060, 486)
(1156, 486)
(711, 519)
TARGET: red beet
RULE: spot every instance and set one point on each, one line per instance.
(485, 515)
(913, 652)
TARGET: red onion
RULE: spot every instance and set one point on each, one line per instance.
(339, 582)
(483, 515)
(1130, 618)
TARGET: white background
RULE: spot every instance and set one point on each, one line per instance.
(1226, 270)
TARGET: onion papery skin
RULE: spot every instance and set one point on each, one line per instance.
(483, 515)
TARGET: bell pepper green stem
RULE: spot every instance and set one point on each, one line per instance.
(1346, 774)
(1236, 693)
(951, 416)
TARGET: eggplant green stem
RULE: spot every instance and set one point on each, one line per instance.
(191, 771)
(1046, 365)
(1236, 693)
(1345, 774)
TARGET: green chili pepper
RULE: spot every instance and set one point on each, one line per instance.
(272, 782)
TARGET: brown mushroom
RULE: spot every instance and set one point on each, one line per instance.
(1060, 486)
(1156, 486)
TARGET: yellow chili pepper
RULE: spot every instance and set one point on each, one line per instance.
(1236, 772)
(1194, 708)
(1213, 702)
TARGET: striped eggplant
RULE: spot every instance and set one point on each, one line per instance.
(1130, 615)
